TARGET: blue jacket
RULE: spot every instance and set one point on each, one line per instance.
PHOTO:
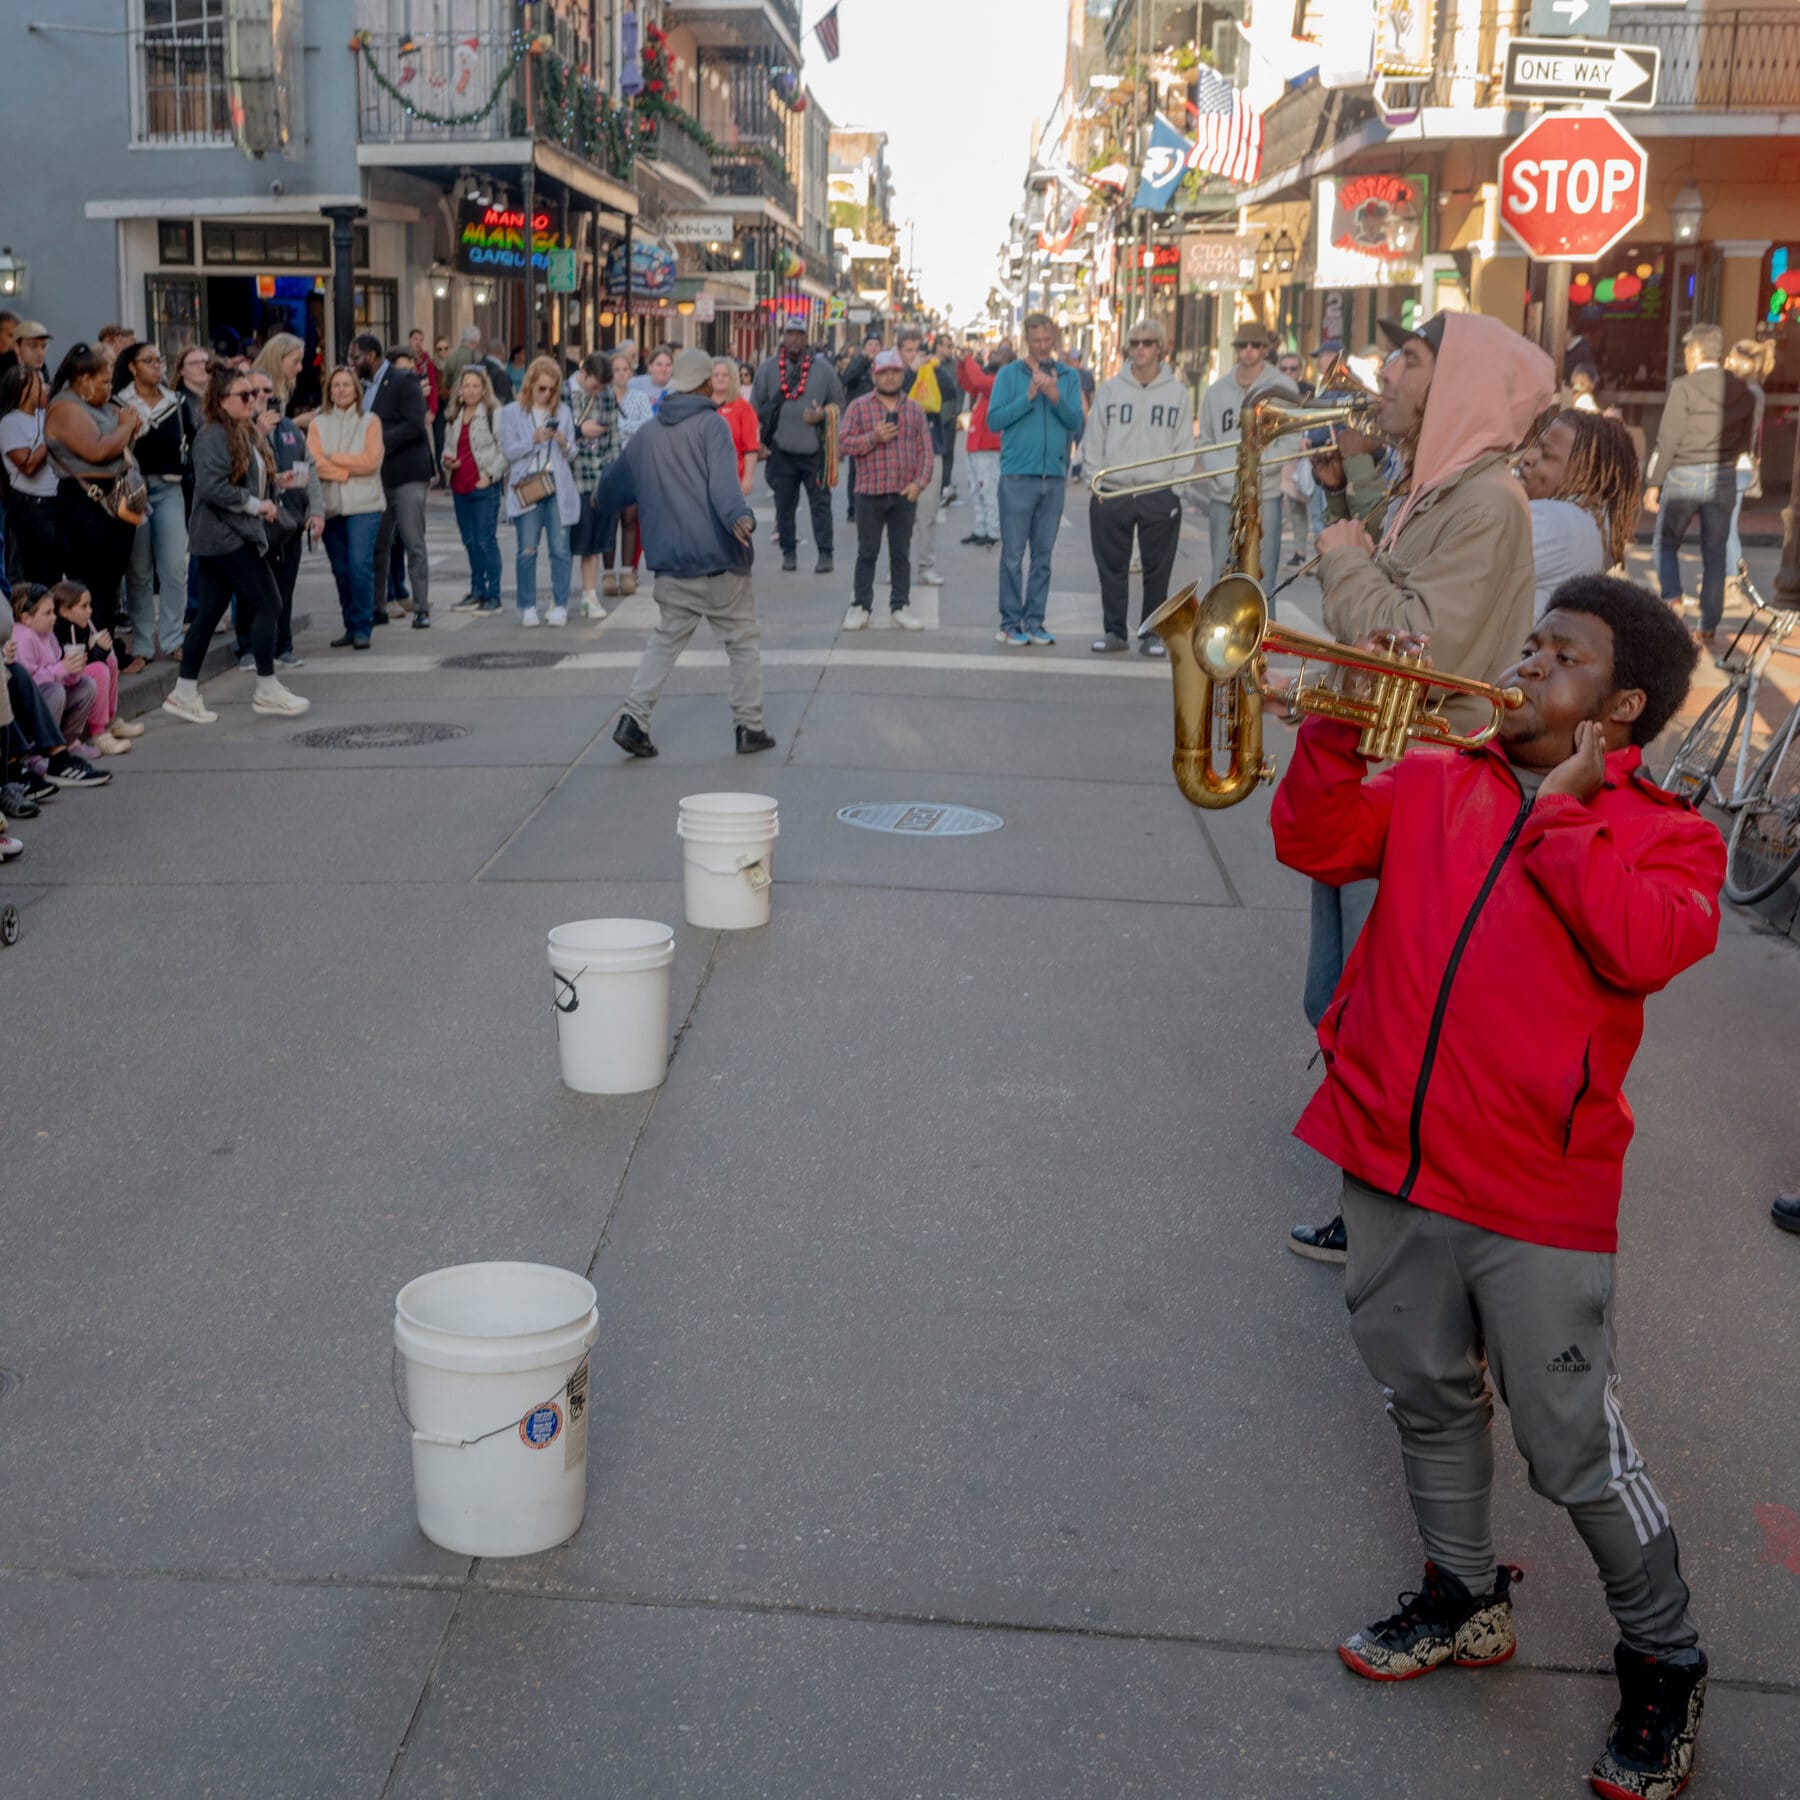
(1035, 434)
(681, 472)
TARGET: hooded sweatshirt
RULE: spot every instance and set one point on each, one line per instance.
(1455, 560)
(1134, 420)
(1221, 421)
(680, 471)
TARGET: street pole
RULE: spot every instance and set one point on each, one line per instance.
(1787, 577)
(343, 278)
(530, 266)
(1555, 328)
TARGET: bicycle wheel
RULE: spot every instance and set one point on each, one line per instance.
(1702, 753)
(1764, 849)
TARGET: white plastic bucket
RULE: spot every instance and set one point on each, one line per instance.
(611, 1003)
(496, 1360)
(727, 859)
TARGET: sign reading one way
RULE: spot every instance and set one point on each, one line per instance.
(1573, 70)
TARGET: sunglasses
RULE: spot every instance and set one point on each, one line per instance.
(1136, 342)
(1246, 343)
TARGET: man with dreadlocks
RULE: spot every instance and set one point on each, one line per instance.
(1454, 564)
(1581, 477)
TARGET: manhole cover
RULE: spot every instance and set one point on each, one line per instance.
(912, 818)
(504, 659)
(379, 737)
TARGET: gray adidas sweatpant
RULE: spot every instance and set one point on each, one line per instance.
(728, 604)
(1437, 1308)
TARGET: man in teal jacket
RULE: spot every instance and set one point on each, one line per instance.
(1036, 408)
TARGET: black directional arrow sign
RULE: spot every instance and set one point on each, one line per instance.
(1573, 70)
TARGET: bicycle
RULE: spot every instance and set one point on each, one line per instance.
(1694, 770)
(1763, 850)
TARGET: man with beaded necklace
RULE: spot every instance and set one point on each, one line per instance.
(790, 394)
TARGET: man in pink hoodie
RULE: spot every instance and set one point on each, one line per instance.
(1458, 396)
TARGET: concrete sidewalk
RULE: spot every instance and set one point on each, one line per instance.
(960, 1425)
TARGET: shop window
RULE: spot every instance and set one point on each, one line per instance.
(265, 246)
(172, 305)
(1621, 306)
(175, 242)
(377, 307)
(179, 91)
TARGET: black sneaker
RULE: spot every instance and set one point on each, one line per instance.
(488, 605)
(1110, 645)
(1649, 1752)
(67, 770)
(1441, 1623)
(630, 736)
(421, 620)
(824, 566)
(39, 788)
(789, 560)
(467, 603)
(380, 617)
(342, 643)
(16, 803)
(1323, 1243)
(752, 738)
(1786, 1212)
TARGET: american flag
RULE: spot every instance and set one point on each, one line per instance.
(1228, 135)
(827, 28)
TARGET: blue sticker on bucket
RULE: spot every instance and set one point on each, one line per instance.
(539, 1427)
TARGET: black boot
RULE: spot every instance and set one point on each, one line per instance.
(1441, 1623)
(752, 738)
(1649, 1752)
(790, 559)
(630, 736)
(824, 565)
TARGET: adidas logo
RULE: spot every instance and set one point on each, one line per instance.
(1571, 1362)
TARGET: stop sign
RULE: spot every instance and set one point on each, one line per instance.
(1572, 186)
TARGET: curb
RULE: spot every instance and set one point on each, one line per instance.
(145, 691)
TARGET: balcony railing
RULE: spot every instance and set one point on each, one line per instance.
(787, 11)
(746, 174)
(673, 148)
(448, 87)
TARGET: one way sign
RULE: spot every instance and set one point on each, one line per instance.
(1575, 70)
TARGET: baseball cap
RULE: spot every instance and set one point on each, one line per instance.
(693, 369)
(889, 359)
(795, 322)
(1329, 347)
(1431, 332)
(30, 328)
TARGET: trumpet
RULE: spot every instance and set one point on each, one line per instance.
(1218, 645)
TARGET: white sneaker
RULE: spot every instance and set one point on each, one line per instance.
(528, 617)
(278, 703)
(855, 619)
(559, 615)
(591, 607)
(903, 618)
(194, 711)
(929, 578)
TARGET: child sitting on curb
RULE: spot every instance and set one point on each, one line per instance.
(68, 691)
(107, 732)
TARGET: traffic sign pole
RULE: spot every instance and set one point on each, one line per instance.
(1554, 330)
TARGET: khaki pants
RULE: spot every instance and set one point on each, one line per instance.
(924, 533)
(728, 605)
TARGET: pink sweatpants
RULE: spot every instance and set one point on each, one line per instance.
(105, 677)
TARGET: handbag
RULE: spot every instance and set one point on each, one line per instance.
(540, 484)
(127, 499)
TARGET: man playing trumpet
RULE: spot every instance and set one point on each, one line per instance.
(1534, 892)
(1454, 564)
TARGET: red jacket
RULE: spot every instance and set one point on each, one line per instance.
(974, 379)
(1477, 1045)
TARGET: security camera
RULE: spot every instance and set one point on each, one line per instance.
(277, 188)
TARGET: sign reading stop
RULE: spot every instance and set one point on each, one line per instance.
(1572, 186)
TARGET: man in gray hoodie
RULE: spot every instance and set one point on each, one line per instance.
(1222, 417)
(680, 471)
(1141, 412)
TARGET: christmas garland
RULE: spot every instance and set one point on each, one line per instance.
(360, 45)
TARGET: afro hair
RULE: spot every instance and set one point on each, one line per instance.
(1651, 646)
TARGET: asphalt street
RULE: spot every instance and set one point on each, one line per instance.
(960, 1424)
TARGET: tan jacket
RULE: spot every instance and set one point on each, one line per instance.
(1459, 569)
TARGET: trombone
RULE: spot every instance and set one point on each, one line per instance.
(1224, 472)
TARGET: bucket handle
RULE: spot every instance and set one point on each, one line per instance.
(566, 1391)
(563, 981)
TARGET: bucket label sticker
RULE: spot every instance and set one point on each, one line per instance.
(539, 1428)
(575, 1440)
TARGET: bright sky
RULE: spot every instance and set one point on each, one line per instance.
(955, 84)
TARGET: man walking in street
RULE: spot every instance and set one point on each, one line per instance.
(790, 394)
(1036, 408)
(1221, 416)
(1141, 412)
(923, 391)
(1706, 425)
(889, 437)
(680, 471)
(395, 397)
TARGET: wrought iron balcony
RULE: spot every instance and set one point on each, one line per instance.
(672, 148)
(743, 173)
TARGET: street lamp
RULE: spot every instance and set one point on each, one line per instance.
(12, 274)
(1265, 254)
(1284, 253)
(1686, 211)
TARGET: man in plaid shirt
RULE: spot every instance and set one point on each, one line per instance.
(891, 440)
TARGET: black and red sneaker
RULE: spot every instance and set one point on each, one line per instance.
(1443, 1622)
(1649, 1752)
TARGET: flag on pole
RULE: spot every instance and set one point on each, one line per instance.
(1228, 135)
(827, 28)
